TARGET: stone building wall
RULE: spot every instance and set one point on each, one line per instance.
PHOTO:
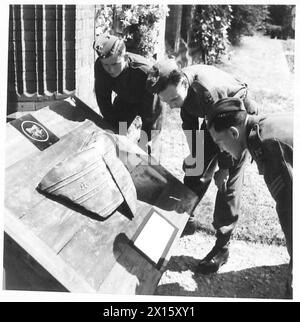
(50, 55)
(85, 55)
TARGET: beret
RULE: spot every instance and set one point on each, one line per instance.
(107, 45)
(224, 105)
(160, 73)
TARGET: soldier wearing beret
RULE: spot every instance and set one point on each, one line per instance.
(125, 74)
(194, 89)
(269, 139)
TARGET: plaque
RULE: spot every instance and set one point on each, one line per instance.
(35, 131)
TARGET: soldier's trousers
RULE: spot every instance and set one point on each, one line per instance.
(227, 204)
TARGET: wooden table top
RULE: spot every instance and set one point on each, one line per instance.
(83, 253)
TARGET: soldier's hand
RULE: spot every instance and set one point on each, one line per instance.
(221, 177)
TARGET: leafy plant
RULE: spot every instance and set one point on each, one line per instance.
(209, 31)
(104, 19)
(137, 24)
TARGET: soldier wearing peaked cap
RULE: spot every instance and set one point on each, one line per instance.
(125, 74)
(269, 139)
(195, 89)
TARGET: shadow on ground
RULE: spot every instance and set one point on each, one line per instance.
(264, 282)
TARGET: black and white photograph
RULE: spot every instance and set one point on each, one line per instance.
(148, 150)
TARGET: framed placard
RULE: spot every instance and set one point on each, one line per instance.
(35, 131)
(154, 238)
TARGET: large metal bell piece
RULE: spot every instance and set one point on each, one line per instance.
(94, 178)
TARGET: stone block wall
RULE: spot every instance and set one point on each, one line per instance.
(85, 55)
(50, 55)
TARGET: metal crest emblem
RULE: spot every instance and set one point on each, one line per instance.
(35, 131)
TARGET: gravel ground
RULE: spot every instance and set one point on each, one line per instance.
(253, 270)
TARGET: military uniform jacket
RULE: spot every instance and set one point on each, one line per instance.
(270, 142)
(208, 84)
(129, 86)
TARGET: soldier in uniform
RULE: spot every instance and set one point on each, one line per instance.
(269, 139)
(194, 89)
(125, 74)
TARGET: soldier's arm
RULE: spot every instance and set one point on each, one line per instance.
(190, 126)
(151, 115)
(103, 92)
(225, 160)
(278, 174)
(151, 110)
(277, 166)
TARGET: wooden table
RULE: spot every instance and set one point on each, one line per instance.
(81, 253)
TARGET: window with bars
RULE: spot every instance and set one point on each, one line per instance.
(41, 57)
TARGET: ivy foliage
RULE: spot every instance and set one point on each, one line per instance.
(137, 24)
(209, 31)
